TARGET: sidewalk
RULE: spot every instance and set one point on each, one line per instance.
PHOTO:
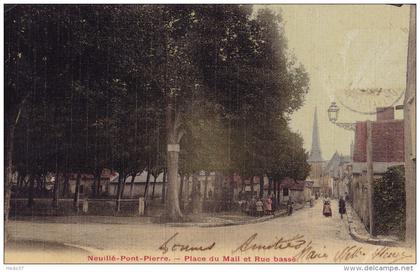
(359, 233)
(203, 220)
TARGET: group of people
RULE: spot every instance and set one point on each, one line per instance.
(327, 211)
(259, 206)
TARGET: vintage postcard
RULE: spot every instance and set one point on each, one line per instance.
(209, 134)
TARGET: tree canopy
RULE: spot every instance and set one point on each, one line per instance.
(89, 87)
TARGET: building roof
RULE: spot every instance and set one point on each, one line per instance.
(106, 174)
(142, 178)
(332, 167)
(387, 141)
(292, 184)
(139, 178)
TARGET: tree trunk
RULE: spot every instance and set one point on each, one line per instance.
(56, 191)
(43, 185)
(11, 120)
(154, 184)
(133, 177)
(9, 178)
(172, 204)
(97, 183)
(38, 185)
(146, 188)
(174, 135)
(196, 196)
(121, 183)
(65, 185)
(270, 185)
(181, 188)
(21, 179)
(123, 187)
(31, 191)
(76, 192)
(205, 186)
(251, 182)
(164, 186)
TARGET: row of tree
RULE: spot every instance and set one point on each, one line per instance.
(179, 88)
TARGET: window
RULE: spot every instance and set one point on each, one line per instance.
(285, 191)
(81, 189)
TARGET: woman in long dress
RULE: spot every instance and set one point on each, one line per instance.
(326, 211)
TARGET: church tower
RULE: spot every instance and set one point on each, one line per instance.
(315, 157)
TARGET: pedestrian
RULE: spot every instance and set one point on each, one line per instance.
(247, 207)
(341, 207)
(289, 206)
(326, 210)
(259, 207)
(311, 202)
(252, 206)
(267, 206)
(273, 203)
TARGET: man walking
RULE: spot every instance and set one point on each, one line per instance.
(341, 207)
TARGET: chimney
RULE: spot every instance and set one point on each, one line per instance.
(385, 113)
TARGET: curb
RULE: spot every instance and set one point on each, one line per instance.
(223, 224)
(366, 238)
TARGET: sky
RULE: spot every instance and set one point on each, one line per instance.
(345, 48)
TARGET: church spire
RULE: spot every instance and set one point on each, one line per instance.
(315, 155)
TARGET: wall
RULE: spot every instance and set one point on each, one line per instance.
(359, 197)
(297, 196)
(138, 189)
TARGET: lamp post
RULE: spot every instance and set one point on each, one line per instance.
(333, 111)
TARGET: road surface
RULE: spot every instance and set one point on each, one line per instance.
(306, 236)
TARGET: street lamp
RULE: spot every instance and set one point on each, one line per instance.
(333, 117)
(333, 112)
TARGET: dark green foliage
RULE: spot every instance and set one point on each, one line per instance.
(98, 79)
(389, 202)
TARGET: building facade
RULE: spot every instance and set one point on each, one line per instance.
(387, 151)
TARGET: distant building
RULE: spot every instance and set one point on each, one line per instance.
(336, 172)
(87, 182)
(298, 190)
(134, 188)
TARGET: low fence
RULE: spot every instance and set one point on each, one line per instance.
(100, 207)
(107, 207)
